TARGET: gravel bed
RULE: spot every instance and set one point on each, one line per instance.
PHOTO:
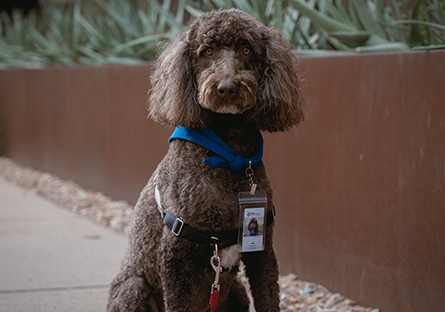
(92, 205)
(296, 295)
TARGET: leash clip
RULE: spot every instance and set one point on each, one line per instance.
(217, 268)
(215, 287)
(214, 292)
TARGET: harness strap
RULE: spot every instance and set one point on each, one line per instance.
(181, 229)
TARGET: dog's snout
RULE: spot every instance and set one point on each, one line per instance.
(227, 89)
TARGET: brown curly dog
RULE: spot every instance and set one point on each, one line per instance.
(231, 74)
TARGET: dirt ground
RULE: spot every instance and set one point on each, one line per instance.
(296, 295)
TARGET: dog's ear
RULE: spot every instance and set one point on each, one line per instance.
(172, 97)
(281, 104)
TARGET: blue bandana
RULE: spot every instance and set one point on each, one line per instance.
(208, 139)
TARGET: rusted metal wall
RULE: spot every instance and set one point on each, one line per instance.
(87, 124)
(360, 186)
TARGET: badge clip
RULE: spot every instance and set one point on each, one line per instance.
(249, 174)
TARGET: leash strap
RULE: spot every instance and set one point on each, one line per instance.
(214, 300)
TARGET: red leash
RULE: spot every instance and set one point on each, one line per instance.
(215, 286)
(214, 299)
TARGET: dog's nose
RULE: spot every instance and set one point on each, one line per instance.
(227, 89)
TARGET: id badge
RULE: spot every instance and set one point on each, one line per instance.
(252, 222)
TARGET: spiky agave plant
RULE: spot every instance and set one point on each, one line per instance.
(114, 31)
(376, 26)
(347, 26)
(89, 32)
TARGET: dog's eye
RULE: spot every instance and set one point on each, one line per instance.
(208, 51)
(247, 51)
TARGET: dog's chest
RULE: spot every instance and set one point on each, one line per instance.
(230, 257)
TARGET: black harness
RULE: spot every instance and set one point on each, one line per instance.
(181, 229)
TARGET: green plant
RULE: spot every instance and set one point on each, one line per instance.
(116, 31)
(89, 32)
(274, 13)
(373, 26)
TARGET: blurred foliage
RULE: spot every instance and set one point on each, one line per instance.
(376, 26)
(347, 26)
(117, 31)
(89, 32)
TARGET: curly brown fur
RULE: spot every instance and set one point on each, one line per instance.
(270, 74)
(207, 77)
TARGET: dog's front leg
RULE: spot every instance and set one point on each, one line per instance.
(262, 271)
(176, 271)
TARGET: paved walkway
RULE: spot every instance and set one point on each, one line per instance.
(52, 259)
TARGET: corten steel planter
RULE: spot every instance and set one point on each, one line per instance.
(359, 187)
(87, 124)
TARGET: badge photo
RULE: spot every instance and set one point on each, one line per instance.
(252, 221)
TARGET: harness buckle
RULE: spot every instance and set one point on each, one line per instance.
(177, 227)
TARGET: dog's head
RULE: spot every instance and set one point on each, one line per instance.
(227, 62)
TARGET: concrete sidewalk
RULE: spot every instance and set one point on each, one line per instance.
(52, 259)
